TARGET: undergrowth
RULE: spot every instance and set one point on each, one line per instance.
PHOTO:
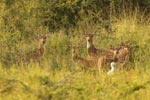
(57, 77)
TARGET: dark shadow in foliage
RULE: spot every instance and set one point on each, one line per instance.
(9, 86)
(134, 89)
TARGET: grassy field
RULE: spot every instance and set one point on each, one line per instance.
(36, 83)
(58, 78)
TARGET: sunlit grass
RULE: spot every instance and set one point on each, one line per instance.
(34, 82)
(58, 78)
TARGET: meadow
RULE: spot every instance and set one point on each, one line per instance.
(59, 78)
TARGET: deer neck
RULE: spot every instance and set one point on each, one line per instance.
(41, 48)
(91, 50)
(90, 44)
(74, 56)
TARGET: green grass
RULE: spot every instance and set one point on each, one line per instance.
(58, 78)
(41, 83)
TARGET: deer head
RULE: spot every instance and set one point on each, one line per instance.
(73, 49)
(42, 40)
(89, 39)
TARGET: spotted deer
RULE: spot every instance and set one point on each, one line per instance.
(108, 57)
(94, 62)
(85, 62)
(122, 53)
(94, 52)
(34, 55)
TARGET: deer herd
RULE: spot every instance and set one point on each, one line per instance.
(100, 58)
(97, 58)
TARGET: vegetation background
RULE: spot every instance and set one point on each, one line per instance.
(57, 77)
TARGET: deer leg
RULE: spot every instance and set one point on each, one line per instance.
(99, 65)
(125, 62)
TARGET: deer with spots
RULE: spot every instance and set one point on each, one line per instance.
(94, 52)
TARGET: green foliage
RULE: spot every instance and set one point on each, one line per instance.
(27, 16)
(57, 77)
(36, 83)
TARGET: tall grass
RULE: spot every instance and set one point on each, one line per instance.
(59, 78)
(34, 82)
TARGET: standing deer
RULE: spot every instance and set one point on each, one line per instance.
(85, 62)
(94, 52)
(104, 61)
(122, 54)
(93, 62)
(34, 55)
